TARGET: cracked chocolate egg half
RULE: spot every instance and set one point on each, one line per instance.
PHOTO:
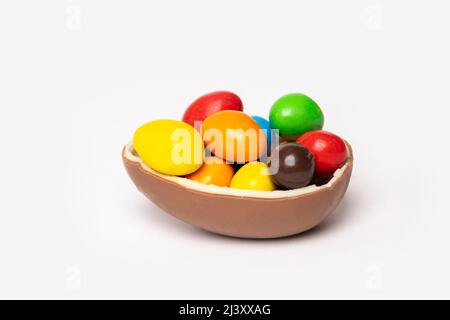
(237, 212)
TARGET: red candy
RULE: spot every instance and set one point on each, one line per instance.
(211, 103)
(329, 151)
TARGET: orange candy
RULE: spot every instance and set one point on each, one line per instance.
(214, 171)
(234, 136)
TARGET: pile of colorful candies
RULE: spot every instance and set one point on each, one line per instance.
(218, 144)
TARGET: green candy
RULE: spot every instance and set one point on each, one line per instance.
(295, 114)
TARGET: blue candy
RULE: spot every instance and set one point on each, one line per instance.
(265, 125)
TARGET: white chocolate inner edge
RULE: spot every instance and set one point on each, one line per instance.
(191, 184)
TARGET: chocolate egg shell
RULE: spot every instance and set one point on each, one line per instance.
(240, 213)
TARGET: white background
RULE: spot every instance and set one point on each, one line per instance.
(78, 77)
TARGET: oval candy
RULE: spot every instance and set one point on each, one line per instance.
(210, 103)
(253, 176)
(295, 114)
(234, 136)
(265, 125)
(214, 171)
(169, 147)
(291, 166)
(329, 150)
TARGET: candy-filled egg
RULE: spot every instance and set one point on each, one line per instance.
(214, 171)
(239, 213)
(211, 103)
(329, 150)
(265, 125)
(253, 176)
(291, 166)
(234, 136)
(229, 173)
(295, 114)
(170, 147)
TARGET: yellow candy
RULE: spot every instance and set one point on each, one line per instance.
(170, 147)
(253, 176)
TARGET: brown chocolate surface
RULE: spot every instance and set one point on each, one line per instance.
(294, 166)
(244, 217)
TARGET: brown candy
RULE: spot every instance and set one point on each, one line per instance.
(293, 168)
